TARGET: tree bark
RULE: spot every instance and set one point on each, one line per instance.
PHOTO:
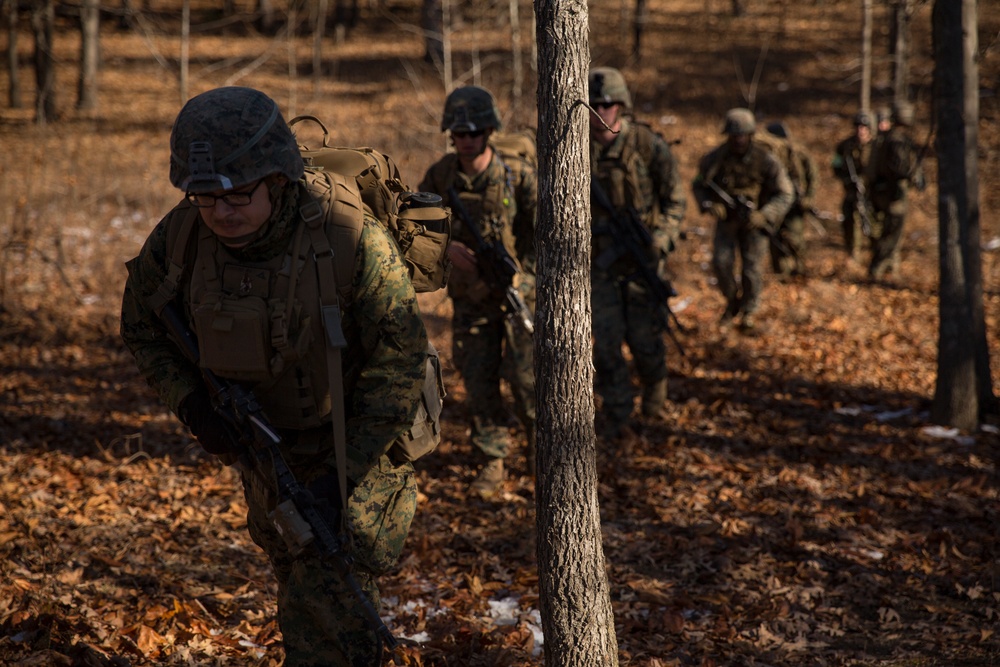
(963, 389)
(902, 12)
(575, 602)
(43, 16)
(90, 54)
(866, 54)
(13, 66)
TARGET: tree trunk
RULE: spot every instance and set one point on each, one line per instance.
(13, 66)
(267, 19)
(90, 54)
(902, 12)
(639, 22)
(575, 601)
(432, 22)
(866, 54)
(963, 390)
(43, 16)
(516, 59)
(319, 30)
(185, 50)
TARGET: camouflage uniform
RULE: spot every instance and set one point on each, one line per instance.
(892, 169)
(384, 359)
(851, 155)
(758, 176)
(638, 172)
(487, 344)
(788, 252)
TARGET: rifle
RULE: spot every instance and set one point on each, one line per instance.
(632, 236)
(743, 206)
(296, 516)
(497, 267)
(861, 203)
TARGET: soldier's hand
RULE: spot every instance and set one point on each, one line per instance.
(206, 425)
(756, 220)
(715, 209)
(463, 260)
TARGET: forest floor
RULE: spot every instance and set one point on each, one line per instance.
(798, 507)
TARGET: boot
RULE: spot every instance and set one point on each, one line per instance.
(653, 399)
(490, 478)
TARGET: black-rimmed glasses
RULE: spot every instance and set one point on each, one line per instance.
(241, 198)
(475, 134)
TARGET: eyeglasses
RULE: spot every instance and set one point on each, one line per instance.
(241, 198)
(475, 134)
(605, 105)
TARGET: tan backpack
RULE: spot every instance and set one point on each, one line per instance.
(418, 221)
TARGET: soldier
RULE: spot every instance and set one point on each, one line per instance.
(222, 256)
(747, 190)
(493, 199)
(850, 161)
(788, 248)
(636, 171)
(894, 166)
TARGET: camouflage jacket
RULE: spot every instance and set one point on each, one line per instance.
(848, 154)
(638, 170)
(894, 164)
(384, 360)
(756, 175)
(502, 201)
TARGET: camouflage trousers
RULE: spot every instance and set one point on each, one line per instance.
(487, 347)
(891, 213)
(732, 238)
(788, 253)
(624, 313)
(322, 623)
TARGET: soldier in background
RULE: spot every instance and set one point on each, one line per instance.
(498, 196)
(748, 192)
(850, 161)
(789, 244)
(893, 168)
(637, 172)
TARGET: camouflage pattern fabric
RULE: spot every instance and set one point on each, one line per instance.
(486, 346)
(892, 169)
(638, 171)
(383, 376)
(853, 151)
(759, 176)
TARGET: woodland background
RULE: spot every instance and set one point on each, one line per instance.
(797, 509)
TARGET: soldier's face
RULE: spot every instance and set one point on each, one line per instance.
(470, 145)
(236, 226)
(863, 133)
(739, 143)
(604, 114)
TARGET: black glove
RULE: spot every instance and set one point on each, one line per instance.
(206, 425)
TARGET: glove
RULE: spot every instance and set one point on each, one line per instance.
(715, 209)
(206, 425)
(756, 220)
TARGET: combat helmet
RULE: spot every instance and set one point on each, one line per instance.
(470, 109)
(607, 85)
(863, 117)
(779, 129)
(739, 121)
(229, 137)
(902, 113)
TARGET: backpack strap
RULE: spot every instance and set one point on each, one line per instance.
(334, 197)
(167, 290)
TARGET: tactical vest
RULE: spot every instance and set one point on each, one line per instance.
(622, 169)
(275, 324)
(742, 175)
(492, 207)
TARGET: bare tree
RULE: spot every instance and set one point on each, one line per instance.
(963, 392)
(43, 17)
(10, 19)
(90, 54)
(902, 14)
(866, 54)
(575, 601)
